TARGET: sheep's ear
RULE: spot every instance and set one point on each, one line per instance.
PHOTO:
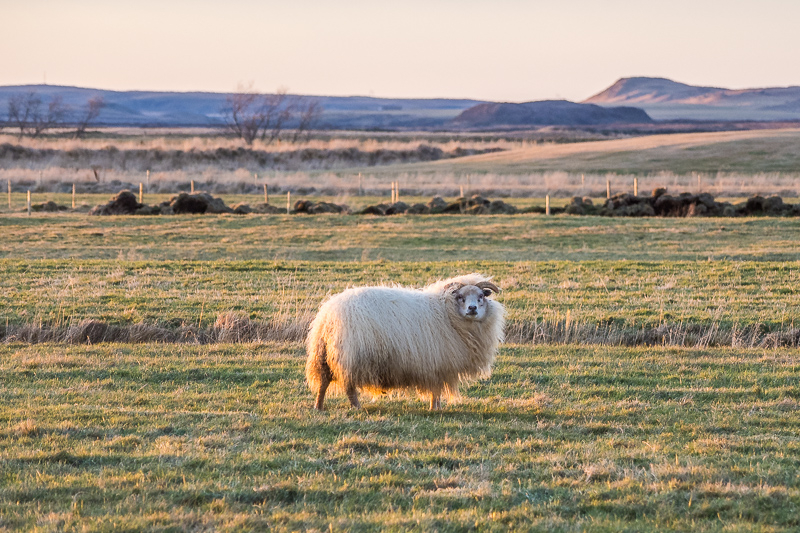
(488, 287)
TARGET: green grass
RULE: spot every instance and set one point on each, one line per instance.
(115, 437)
(625, 294)
(401, 238)
(569, 438)
(748, 152)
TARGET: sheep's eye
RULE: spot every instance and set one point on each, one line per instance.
(460, 298)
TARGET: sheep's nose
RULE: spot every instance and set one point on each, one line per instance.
(473, 307)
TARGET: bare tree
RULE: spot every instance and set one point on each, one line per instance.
(279, 110)
(21, 107)
(308, 113)
(90, 114)
(251, 115)
(25, 112)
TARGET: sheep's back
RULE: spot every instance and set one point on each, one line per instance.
(391, 337)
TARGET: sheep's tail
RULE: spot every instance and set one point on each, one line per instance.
(316, 363)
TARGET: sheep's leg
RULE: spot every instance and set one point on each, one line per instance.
(325, 380)
(436, 401)
(352, 395)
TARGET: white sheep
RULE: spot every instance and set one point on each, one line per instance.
(382, 338)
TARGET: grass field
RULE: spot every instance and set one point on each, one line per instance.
(738, 163)
(403, 238)
(570, 438)
(569, 434)
(752, 151)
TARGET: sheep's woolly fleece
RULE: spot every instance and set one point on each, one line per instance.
(389, 337)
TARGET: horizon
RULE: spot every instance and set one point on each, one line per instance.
(507, 51)
(378, 96)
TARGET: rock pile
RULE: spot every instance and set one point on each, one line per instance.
(658, 204)
(316, 208)
(661, 204)
(124, 203)
(47, 207)
(474, 205)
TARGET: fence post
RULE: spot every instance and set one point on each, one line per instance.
(9, 194)
(583, 181)
(266, 194)
(288, 202)
(73, 195)
(192, 186)
(29, 202)
(148, 180)
(635, 186)
(462, 191)
(547, 205)
(360, 185)
(141, 193)
(396, 191)
(608, 188)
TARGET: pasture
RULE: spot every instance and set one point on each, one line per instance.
(561, 438)
(558, 162)
(650, 381)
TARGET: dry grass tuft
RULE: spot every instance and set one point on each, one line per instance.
(236, 327)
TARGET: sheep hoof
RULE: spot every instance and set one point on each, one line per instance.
(352, 395)
(436, 403)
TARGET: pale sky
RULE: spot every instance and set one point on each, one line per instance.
(503, 50)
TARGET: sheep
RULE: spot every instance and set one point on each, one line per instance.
(381, 338)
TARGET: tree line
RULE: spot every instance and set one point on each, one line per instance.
(28, 113)
(247, 114)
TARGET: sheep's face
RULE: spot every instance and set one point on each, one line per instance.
(471, 302)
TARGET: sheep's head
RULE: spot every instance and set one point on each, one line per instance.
(470, 300)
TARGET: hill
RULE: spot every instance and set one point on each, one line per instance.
(154, 108)
(665, 99)
(751, 151)
(547, 113)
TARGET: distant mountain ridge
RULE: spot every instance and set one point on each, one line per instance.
(665, 99)
(547, 112)
(162, 108)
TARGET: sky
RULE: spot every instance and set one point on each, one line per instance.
(500, 50)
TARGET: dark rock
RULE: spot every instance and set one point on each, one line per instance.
(660, 191)
(124, 203)
(148, 210)
(477, 199)
(641, 209)
(325, 207)
(47, 207)
(242, 209)
(302, 206)
(216, 205)
(269, 209)
(397, 208)
(418, 209)
(437, 204)
(576, 206)
(499, 207)
(755, 205)
(477, 209)
(379, 210)
(696, 210)
(459, 206)
(188, 204)
(775, 205)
